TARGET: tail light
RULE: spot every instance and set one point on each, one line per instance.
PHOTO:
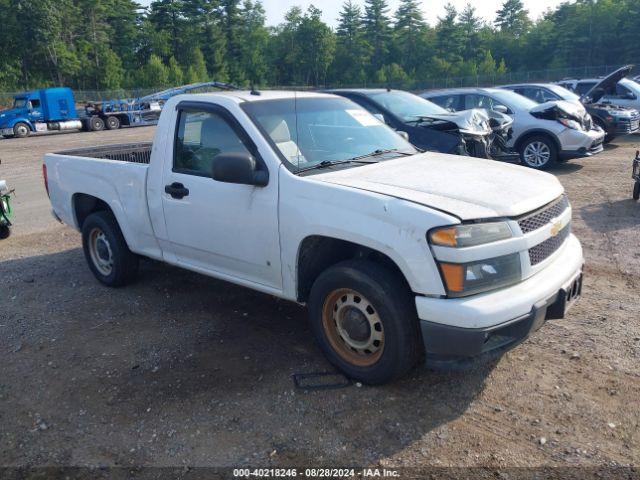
(46, 180)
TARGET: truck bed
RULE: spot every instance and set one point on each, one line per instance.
(129, 152)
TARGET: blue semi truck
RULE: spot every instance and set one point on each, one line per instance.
(55, 109)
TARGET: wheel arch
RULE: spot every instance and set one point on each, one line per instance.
(316, 253)
(84, 205)
(538, 132)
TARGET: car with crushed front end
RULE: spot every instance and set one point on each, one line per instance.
(431, 127)
(543, 134)
(399, 255)
(613, 119)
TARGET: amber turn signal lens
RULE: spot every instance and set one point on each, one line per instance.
(453, 276)
(445, 237)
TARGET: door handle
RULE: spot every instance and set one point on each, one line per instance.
(176, 190)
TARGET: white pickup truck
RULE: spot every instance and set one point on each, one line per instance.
(399, 255)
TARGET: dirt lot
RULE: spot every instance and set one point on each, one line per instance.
(180, 369)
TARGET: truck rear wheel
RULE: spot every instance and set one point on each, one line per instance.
(5, 231)
(96, 124)
(21, 130)
(636, 190)
(363, 316)
(106, 250)
(113, 123)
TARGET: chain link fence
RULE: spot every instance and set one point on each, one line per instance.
(548, 75)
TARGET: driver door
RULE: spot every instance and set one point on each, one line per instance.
(229, 230)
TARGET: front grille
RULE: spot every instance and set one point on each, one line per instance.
(544, 250)
(540, 218)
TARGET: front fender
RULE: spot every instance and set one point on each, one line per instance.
(10, 123)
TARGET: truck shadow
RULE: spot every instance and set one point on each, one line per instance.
(192, 364)
(612, 216)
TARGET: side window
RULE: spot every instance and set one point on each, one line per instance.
(584, 87)
(200, 138)
(448, 102)
(474, 100)
(35, 103)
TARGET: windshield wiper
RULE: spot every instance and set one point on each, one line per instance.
(358, 159)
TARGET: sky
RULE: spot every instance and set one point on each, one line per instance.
(432, 8)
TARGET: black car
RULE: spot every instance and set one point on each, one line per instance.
(429, 126)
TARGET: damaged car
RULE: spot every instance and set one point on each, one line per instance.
(613, 119)
(543, 134)
(432, 128)
(612, 101)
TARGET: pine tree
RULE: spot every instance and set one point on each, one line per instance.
(377, 29)
(154, 73)
(470, 26)
(175, 76)
(351, 48)
(409, 36)
(449, 45)
(512, 18)
(196, 67)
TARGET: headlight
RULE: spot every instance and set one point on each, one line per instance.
(462, 280)
(469, 235)
(570, 123)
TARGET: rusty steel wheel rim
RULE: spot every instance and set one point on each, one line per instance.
(353, 327)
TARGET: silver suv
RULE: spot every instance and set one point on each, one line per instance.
(542, 133)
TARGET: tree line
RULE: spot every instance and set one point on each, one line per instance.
(112, 44)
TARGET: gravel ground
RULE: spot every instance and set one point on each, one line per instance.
(180, 369)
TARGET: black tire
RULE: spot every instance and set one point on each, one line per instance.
(546, 146)
(608, 137)
(21, 130)
(124, 263)
(5, 231)
(392, 305)
(112, 122)
(96, 124)
(636, 191)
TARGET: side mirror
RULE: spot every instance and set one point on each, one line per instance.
(240, 168)
(500, 109)
(404, 135)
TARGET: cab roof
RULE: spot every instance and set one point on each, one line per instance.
(247, 96)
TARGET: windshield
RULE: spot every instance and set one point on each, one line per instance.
(563, 92)
(405, 105)
(20, 103)
(324, 130)
(513, 100)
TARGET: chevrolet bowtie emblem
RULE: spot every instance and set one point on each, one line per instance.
(555, 228)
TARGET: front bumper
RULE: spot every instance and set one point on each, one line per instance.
(581, 144)
(456, 332)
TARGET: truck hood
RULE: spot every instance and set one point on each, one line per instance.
(598, 90)
(465, 187)
(474, 122)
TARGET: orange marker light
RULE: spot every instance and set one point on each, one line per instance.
(444, 236)
(453, 276)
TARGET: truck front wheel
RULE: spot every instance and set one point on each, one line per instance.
(21, 130)
(106, 250)
(363, 316)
